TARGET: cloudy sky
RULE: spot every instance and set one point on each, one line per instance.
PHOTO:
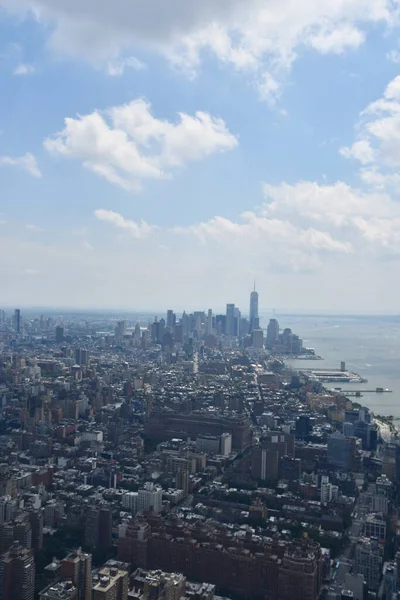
(165, 153)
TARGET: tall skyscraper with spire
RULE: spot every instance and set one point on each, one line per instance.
(254, 318)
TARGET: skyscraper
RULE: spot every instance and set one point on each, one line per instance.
(77, 566)
(230, 319)
(59, 334)
(272, 333)
(209, 328)
(17, 574)
(17, 320)
(254, 320)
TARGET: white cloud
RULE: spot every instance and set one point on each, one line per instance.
(127, 144)
(116, 69)
(136, 230)
(258, 36)
(338, 40)
(26, 163)
(378, 143)
(24, 69)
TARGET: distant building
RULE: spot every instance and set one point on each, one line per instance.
(303, 427)
(272, 333)
(59, 334)
(209, 444)
(112, 584)
(17, 320)
(253, 314)
(230, 320)
(150, 497)
(368, 561)
(130, 502)
(341, 452)
(17, 574)
(226, 444)
(257, 338)
(77, 566)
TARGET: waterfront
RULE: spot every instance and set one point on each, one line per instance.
(370, 346)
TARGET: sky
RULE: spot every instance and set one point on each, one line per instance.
(163, 154)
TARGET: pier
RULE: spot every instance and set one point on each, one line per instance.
(358, 393)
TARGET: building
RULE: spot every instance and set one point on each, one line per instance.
(257, 338)
(300, 575)
(150, 498)
(59, 335)
(368, 561)
(266, 456)
(226, 444)
(77, 567)
(326, 490)
(303, 427)
(209, 324)
(209, 444)
(375, 527)
(341, 452)
(112, 584)
(17, 321)
(230, 320)
(82, 357)
(36, 522)
(63, 590)
(272, 333)
(98, 527)
(17, 574)
(130, 502)
(253, 314)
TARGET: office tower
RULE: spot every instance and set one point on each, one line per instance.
(254, 319)
(82, 357)
(105, 528)
(77, 566)
(348, 429)
(150, 497)
(98, 527)
(112, 584)
(209, 326)
(303, 427)
(257, 339)
(171, 319)
(341, 452)
(272, 333)
(36, 522)
(6, 509)
(230, 319)
(59, 334)
(17, 574)
(226, 444)
(265, 457)
(23, 532)
(17, 320)
(368, 562)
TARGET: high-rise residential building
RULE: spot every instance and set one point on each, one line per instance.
(6, 509)
(98, 527)
(23, 532)
(368, 561)
(326, 490)
(17, 320)
(230, 319)
(150, 497)
(130, 502)
(226, 444)
(303, 427)
(77, 566)
(341, 452)
(59, 334)
(112, 584)
(17, 574)
(272, 333)
(254, 318)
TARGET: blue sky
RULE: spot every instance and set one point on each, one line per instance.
(156, 154)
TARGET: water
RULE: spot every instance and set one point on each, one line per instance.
(370, 346)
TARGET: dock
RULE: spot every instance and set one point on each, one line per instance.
(358, 393)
